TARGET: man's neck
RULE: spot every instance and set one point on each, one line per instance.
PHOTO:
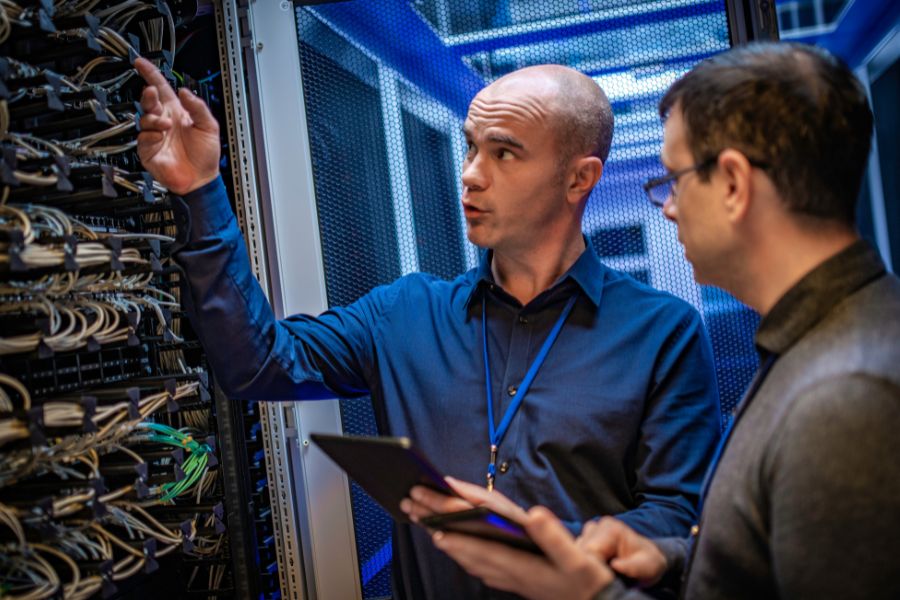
(525, 274)
(784, 263)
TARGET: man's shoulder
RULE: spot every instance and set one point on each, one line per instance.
(627, 293)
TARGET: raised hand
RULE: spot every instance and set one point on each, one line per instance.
(627, 552)
(179, 139)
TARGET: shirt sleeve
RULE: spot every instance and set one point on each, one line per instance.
(679, 433)
(254, 355)
(834, 491)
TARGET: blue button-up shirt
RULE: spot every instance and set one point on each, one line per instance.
(622, 417)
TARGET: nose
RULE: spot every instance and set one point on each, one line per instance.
(669, 210)
(473, 174)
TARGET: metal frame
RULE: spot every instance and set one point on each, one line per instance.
(315, 543)
(751, 20)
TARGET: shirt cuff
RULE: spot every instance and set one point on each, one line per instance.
(209, 209)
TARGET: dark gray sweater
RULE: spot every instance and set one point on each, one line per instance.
(805, 502)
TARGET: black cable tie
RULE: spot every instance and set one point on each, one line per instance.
(150, 564)
(172, 405)
(53, 101)
(187, 545)
(99, 486)
(115, 247)
(211, 460)
(43, 324)
(147, 190)
(178, 456)
(163, 8)
(132, 317)
(92, 43)
(141, 489)
(63, 184)
(92, 344)
(36, 426)
(211, 442)
(62, 163)
(93, 23)
(45, 22)
(171, 386)
(70, 248)
(44, 508)
(155, 248)
(179, 473)
(135, 42)
(44, 351)
(8, 176)
(133, 340)
(89, 406)
(106, 573)
(220, 526)
(219, 510)
(155, 265)
(109, 188)
(100, 114)
(134, 398)
(142, 470)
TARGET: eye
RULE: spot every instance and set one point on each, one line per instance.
(470, 149)
(505, 154)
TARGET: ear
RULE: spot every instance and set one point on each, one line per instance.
(584, 173)
(737, 178)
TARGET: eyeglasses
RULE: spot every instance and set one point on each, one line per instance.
(660, 189)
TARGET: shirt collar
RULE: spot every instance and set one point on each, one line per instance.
(588, 272)
(816, 294)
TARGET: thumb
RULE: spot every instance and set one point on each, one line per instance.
(198, 110)
(638, 566)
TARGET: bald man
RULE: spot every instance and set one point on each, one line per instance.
(541, 373)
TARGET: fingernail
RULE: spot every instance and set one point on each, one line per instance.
(438, 538)
(405, 505)
(415, 494)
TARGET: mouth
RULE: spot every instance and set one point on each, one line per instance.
(471, 211)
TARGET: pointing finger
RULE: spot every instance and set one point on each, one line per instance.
(150, 103)
(154, 77)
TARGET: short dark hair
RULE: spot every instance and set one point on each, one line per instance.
(794, 107)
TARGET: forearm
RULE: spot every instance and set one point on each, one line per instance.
(230, 312)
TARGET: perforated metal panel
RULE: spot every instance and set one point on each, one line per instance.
(387, 86)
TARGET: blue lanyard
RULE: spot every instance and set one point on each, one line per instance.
(497, 433)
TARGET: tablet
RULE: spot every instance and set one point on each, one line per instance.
(386, 467)
(484, 523)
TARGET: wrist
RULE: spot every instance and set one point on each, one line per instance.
(195, 185)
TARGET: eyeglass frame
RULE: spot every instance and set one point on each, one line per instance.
(655, 182)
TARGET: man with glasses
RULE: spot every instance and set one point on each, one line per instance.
(541, 372)
(766, 147)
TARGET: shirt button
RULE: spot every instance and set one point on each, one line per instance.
(695, 531)
(511, 390)
(523, 320)
(504, 467)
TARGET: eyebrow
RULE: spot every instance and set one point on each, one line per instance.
(506, 140)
